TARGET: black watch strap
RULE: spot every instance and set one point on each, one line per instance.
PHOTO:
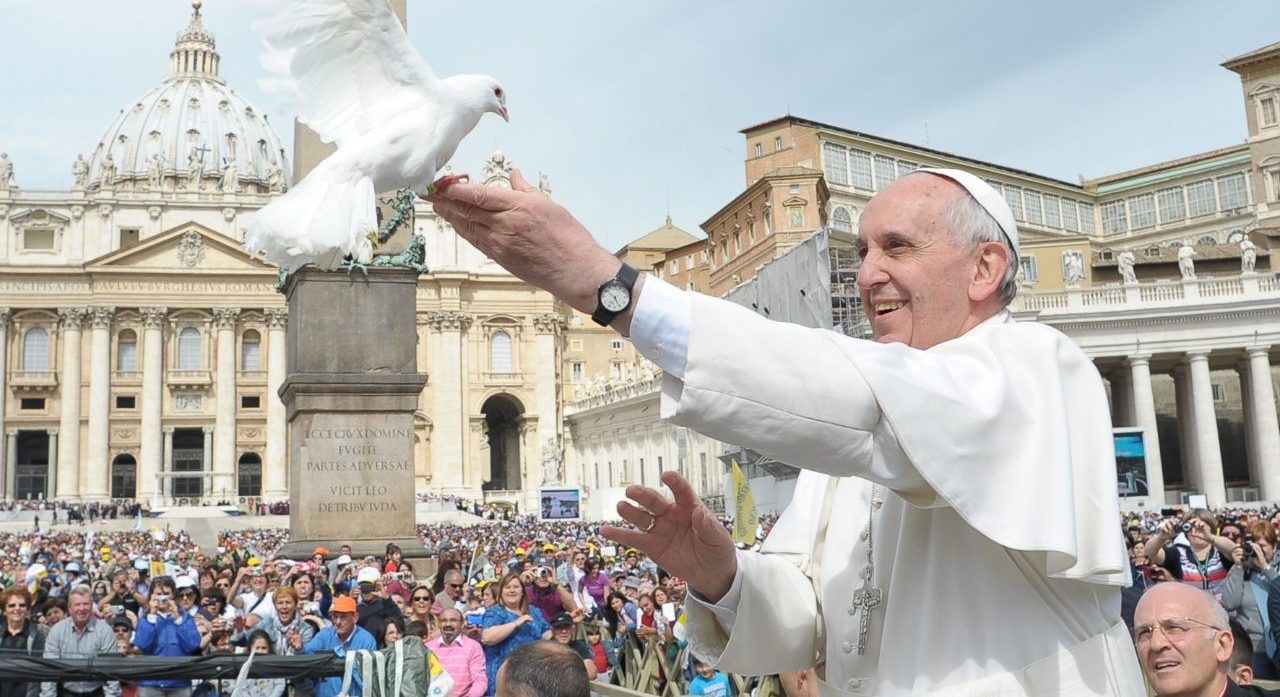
(626, 276)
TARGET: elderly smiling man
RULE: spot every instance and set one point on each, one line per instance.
(983, 557)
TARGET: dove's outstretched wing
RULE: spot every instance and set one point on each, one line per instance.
(352, 62)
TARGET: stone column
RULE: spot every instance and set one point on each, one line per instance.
(1144, 408)
(5, 462)
(1121, 398)
(53, 449)
(67, 485)
(450, 413)
(96, 472)
(1265, 428)
(164, 487)
(224, 425)
(207, 458)
(151, 450)
(1209, 455)
(1187, 431)
(550, 446)
(276, 465)
(11, 457)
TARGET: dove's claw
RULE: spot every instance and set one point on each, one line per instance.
(439, 185)
(357, 265)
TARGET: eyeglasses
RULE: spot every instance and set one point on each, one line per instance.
(186, 594)
(454, 585)
(421, 598)
(209, 601)
(1234, 536)
(1173, 629)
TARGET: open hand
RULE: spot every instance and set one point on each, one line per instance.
(681, 535)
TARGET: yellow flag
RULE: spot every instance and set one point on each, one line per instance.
(744, 508)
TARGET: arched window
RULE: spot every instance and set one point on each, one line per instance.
(1206, 241)
(127, 352)
(500, 352)
(124, 477)
(35, 349)
(841, 220)
(190, 352)
(251, 352)
(1235, 237)
(249, 475)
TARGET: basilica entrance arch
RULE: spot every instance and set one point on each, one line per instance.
(502, 414)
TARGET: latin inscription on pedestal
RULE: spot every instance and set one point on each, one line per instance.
(354, 474)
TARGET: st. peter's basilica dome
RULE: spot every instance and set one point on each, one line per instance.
(190, 133)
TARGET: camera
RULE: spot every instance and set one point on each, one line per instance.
(1247, 544)
(396, 575)
(542, 572)
(1185, 526)
(115, 609)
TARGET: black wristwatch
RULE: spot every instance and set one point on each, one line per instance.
(614, 295)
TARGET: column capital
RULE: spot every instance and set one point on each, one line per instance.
(168, 430)
(72, 317)
(11, 432)
(153, 317)
(5, 314)
(1257, 350)
(441, 320)
(207, 429)
(1197, 355)
(277, 317)
(1139, 359)
(226, 317)
(550, 323)
(100, 317)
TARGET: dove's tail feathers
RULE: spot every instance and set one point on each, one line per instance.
(318, 221)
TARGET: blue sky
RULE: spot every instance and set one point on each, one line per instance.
(628, 105)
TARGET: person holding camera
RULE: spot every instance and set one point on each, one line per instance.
(1246, 593)
(165, 631)
(545, 592)
(121, 596)
(375, 607)
(257, 600)
(1191, 551)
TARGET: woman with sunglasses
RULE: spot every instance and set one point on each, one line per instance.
(21, 637)
(419, 610)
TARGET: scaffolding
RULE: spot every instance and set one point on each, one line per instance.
(846, 303)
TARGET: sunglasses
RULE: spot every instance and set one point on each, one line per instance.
(209, 601)
(421, 598)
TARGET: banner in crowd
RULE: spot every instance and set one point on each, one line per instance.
(560, 504)
(745, 520)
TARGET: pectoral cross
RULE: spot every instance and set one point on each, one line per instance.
(865, 599)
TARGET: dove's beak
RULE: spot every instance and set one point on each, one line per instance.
(502, 111)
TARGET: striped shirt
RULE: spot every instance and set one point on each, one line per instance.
(463, 660)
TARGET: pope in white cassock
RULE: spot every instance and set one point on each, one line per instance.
(966, 540)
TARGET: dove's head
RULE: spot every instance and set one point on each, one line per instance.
(482, 92)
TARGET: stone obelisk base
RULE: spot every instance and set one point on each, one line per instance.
(350, 391)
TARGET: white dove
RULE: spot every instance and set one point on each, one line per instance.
(361, 85)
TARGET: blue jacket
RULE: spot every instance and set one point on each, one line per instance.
(163, 636)
(327, 640)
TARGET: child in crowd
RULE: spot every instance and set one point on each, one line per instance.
(709, 681)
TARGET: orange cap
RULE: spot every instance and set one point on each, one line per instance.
(343, 603)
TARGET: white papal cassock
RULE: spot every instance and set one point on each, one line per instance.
(997, 546)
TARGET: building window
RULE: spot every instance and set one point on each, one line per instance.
(500, 352)
(127, 352)
(126, 401)
(1273, 184)
(885, 173)
(1232, 193)
(1031, 204)
(835, 164)
(31, 404)
(1142, 211)
(1070, 217)
(688, 261)
(1217, 392)
(128, 237)
(1172, 204)
(249, 475)
(642, 477)
(860, 169)
(1052, 210)
(777, 143)
(759, 150)
(1114, 219)
(190, 352)
(615, 345)
(705, 480)
(1207, 241)
(250, 401)
(673, 267)
(1030, 271)
(575, 369)
(35, 350)
(251, 352)
(1086, 218)
(1267, 112)
(38, 240)
(841, 220)
(905, 168)
(1200, 198)
(1013, 196)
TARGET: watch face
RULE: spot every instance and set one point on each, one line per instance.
(615, 297)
